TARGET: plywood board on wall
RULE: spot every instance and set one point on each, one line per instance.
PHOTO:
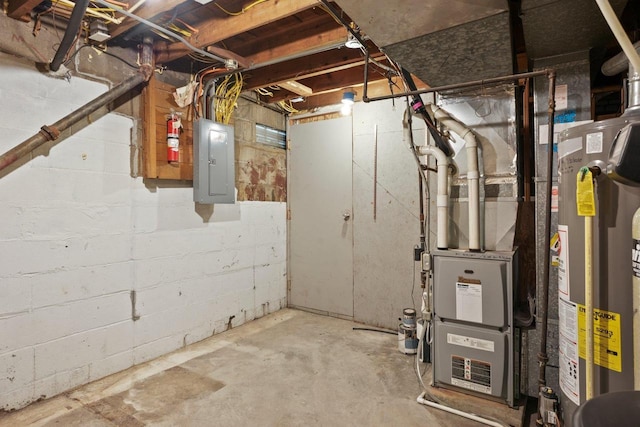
(158, 103)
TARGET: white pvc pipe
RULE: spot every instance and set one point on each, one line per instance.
(421, 400)
(618, 31)
(442, 200)
(473, 174)
(635, 233)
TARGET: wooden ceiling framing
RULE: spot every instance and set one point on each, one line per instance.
(288, 47)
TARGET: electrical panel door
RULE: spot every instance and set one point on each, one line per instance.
(213, 162)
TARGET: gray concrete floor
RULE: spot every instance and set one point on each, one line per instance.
(287, 369)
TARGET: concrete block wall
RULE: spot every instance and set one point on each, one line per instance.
(100, 271)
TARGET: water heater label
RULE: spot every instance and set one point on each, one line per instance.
(607, 342)
(568, 349)
(635, 258)
(594, 143)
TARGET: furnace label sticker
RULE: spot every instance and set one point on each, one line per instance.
(635, 258)
(470, 342)
(471, 374)
(607, 342)
(568, 349)
(563, 261)
(469, 302)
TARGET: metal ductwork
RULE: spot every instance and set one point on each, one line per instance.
(441, 41)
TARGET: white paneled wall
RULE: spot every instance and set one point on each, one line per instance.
(79, 238)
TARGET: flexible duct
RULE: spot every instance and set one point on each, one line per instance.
(618, 31)
(70, 34)
(473, 174)
(619, 64)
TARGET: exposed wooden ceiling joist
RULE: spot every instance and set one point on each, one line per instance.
(149, 10)
(221, 28)
(17, 9)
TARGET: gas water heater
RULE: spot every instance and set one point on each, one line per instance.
(609, 149)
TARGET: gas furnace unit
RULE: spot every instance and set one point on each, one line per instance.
(473, 347)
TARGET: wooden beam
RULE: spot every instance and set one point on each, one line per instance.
(149, 10)
(221, 28)
(302, 69)
(297, 47)
(329, 82)
(296, 87)
(17, 9)
(375, 88)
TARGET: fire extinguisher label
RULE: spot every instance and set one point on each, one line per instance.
(635, 258)
(173, 143)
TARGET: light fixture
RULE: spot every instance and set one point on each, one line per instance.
(352, 42)
(98, 31)
(348, 98)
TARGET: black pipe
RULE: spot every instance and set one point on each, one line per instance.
(472, 83)
(70, 34)
(543, 358)
(418, 106)
(52, 132)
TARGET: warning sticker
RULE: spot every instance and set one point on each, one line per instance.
(563, 261)
(635, 258)
(607, 343)
(568, 350)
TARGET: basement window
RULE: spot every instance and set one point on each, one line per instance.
(271, 136)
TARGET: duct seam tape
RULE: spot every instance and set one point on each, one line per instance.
(473, 175)
(442, 200)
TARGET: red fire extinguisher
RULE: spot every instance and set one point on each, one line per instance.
(173, 137)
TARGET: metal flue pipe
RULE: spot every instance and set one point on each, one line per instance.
(73, 26)
(52, 132)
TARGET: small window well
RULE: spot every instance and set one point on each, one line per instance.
(270, 136)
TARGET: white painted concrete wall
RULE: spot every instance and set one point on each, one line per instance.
(78, 235)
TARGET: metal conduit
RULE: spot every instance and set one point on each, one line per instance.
(52, 132)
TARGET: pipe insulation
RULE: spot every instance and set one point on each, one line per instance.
(52, 132)
(473, 174)
(619, 33)
(75, 21)
(442, 198)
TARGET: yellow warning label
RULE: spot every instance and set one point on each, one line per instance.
(585, 199)
(607, 344)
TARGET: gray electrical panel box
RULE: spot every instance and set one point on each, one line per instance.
(213, 162)
(473, 345)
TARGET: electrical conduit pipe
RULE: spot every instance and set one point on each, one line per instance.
(473, 174)
(73, 26)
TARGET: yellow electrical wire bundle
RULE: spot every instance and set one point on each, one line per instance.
(227, 93)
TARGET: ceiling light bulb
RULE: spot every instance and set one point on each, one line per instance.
(352, 42)
(348, 98)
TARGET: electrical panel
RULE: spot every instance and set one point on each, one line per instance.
(213, 162)
(473, 346)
